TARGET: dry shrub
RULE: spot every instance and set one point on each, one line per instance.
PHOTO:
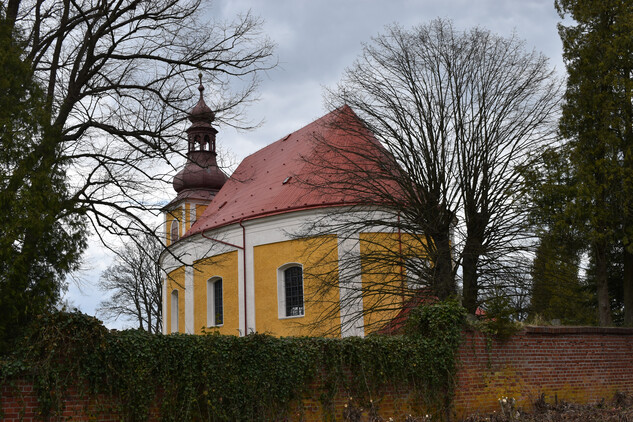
(619, 409)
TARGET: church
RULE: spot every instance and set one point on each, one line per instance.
(234, 261)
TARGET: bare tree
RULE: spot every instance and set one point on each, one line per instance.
(453, 117)
(117, 77)
(135, 282)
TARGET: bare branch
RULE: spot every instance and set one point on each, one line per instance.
(454, 116)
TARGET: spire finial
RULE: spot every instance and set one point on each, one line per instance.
(201, 112)
(200, 87)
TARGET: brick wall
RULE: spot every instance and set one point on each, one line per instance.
(579, 364)
(19, 403)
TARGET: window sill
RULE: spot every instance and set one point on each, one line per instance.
(292, 316)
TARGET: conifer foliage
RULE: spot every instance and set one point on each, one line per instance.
(597, 124)
(39, 240)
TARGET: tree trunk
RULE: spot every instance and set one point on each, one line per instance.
(471, 283)
(628, 288)
(602, 286)
(12, 11)
(473, 249)
(628, 202)
(52, 79)
(443, 277)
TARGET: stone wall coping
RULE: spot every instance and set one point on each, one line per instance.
(570, 330)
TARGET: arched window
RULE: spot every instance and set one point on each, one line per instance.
(174, 230)
(215, 302)
(174, 311)
(290, 291)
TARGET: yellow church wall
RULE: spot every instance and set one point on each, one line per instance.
(187, 216)
(384, 275)
(199, 210)
(176, 281)
(384, 285)
(225, 266)
(267, 259)
(382, 279)
(177, 214)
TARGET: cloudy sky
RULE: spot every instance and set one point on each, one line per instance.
(316, 40)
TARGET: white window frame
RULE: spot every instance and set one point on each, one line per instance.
(171, 230)
(174, 310)
(211, 301)
(281, 291)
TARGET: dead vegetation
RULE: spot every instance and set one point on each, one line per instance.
(619, 409)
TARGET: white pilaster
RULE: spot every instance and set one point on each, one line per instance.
(183, 225)
(245, 262)
(240, 290)
(350, 287)
(189, 298)
(165, 299)
(250, 286)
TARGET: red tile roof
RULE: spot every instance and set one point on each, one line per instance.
(396, 325)
(277, 178)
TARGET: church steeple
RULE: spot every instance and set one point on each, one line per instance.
(201, 133)
(201, 178)
(201, 172)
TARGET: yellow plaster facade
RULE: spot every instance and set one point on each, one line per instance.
(187, 212)
(224, 266)
(200, 210)
(383, 279)
(384, 274)
(268, 260)
(170, 217)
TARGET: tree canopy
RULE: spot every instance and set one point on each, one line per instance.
(593, 202)
(459, 112)
(118, 78)
(135, 282)
(93, 96)
(41, 234)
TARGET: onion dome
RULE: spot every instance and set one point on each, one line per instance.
(201, 177)
(200, 172)
(201, 111)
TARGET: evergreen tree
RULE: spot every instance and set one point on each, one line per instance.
(557, 291)
(39, 242)
(597, 120)
(615, 276)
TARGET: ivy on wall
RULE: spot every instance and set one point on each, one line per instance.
(214, 377)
